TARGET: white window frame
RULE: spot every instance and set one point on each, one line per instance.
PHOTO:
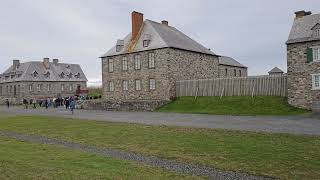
(151, 61)
(137, 62)
(125, 85)
(316, 33)
(39, 87)
(111, 86)
(138, 85)
(315, 85)
(316, 53)
(70, 87)
(124, 63)
(30, 87)
(48, 87)
(152, 84)
(62, 87)
(110, 65)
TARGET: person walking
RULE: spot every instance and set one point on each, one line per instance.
(72, 105)
(46, 103)
(67, 102)
(7, 103)
(25, 102)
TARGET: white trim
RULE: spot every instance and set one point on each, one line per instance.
(314, 83)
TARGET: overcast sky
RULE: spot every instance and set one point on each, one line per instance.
(79, 31)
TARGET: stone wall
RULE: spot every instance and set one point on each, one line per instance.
(300, 93)
(232, 71)
(101, 104)
(170, 65)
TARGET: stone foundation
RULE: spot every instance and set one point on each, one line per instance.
(140, 105)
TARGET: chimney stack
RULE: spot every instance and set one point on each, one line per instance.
(301, 14)
(46, 62)
(16, 64)
(165, 22)
(55, 61)
(137, 20)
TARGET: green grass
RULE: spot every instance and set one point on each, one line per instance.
(277, 155)
(237, 105)
(21, 160)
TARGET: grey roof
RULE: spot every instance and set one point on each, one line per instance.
(301, 30)
(275, 70)
(228, 61)
(26, 70)
(162, 36)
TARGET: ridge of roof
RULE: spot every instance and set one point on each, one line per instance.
(276, 70)
(229, 61)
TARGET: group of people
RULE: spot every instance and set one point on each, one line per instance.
(68, 102)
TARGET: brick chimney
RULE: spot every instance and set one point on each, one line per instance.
(301, 14)
(165, 22)
(55, 61)
(16, 64)
(137, 20)
(46, 63)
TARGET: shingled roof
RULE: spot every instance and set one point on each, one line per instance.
(162, 36)
(228, 61)
(26, 72)
(302, 28)
(275, 70)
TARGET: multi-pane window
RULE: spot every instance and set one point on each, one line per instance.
(316, 53)
(39, 87)
(316, 33)
(70, 87)
(124, 63)
(152, 84)
(137, 62)
(62, 87)
(138, 85)
(48, 87)
(316, 81)
(226, 71)
(111, 86)
(240, 73)
(30, 87)
(151, 60)
(235, 72)
(125, 85)
(110, 65)
(146, 43)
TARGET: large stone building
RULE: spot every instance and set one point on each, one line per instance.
(146, 64)
(41, 79)
(303, 53)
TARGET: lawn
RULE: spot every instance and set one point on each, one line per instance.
(236, 105)
(21, 160)
(277, 155)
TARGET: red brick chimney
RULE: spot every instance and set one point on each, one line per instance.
(165, 22)
(137, 20)
(301, 14)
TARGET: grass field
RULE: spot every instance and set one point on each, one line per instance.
(261, 105)
(21, 160)
(277, 155)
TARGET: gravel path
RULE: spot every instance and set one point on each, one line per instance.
(306, 125)
(146, 160)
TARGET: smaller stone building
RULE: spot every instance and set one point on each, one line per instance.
(41, 79)
(229, 67)
(275, 71)
(303, 56)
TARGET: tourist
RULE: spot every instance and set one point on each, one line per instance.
(67, 103)
(7, 103)
(46, 103)
(25, 102)
(72, 105)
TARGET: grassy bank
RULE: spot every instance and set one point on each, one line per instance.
(21, 160)
(277, 155)
(262, 105)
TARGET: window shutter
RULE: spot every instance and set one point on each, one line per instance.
(309, 55)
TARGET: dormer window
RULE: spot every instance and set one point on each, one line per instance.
(35, 74)
(316, 31)
(77, 75)
(47, 74)
(146, 40)
(62, 75)
(120, 45)
(70, 75)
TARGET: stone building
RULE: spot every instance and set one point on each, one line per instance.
(275, 71)
(41, 79)
(229, 67)
(146, 64)
(303, 56)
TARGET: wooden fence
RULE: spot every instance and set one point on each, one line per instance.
(241, 86)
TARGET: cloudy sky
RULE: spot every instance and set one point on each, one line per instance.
(79, 31)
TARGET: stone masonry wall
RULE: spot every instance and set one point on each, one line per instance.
(230, 71)
(300, 93)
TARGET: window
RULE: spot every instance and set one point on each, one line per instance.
(77, 75)
(316, 81)
(119, 48)
(138, 85)
(47, 74)
(30, 87)
(125, 85)
(316, 33)
(226, 72)
(49, 87)
(152, 84)
(71, 87)
(137, 62)
(0, 90)
(316, 53)
(62, 75)
(240, 73)
(151, 60)
(235, 72)
(70, 75)
(62, 87)
(39, 87)
(35, 74)
(124, 63)
(110, 65)
(111, 86)
(146, 43)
